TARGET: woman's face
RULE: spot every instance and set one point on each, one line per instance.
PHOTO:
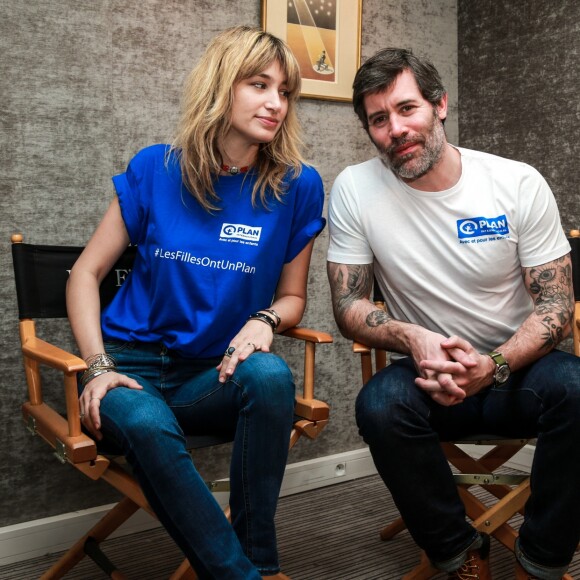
(260, 106)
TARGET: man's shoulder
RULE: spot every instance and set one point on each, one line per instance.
(486, 159)
(372, 164)
(367, 170)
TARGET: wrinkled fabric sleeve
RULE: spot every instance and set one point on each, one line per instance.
(307, 221)
(348, 242)
(134, 188)
(541, 236)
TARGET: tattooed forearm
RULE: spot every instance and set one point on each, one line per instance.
(377, 317)
(550, 286)
(349, 284)
(357, 318)
(552, 335)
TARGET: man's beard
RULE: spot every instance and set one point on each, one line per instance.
(408, 166)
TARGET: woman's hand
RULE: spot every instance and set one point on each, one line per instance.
(255, 335)
(92, 395)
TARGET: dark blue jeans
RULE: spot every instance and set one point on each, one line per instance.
(403, 426)
(183, 396)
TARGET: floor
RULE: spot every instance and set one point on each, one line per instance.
(325, 534)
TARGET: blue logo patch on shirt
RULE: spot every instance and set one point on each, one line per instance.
(481, 226)
(241, 232)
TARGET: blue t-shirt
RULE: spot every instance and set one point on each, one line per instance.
(198, 276)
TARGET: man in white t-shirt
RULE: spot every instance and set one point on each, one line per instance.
(469, 253)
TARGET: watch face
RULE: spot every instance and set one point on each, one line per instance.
(502, 374)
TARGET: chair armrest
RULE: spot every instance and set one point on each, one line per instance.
(54, 428)
(311, 338)
(52, 356)
(37, 351)
(366, 359)
(307, 334)
(311, 409)
(360, 348)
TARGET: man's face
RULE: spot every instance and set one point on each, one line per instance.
(405, 128)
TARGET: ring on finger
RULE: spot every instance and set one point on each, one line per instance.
(253, 346)
(229, 351)
(82, 415)
(94, 399)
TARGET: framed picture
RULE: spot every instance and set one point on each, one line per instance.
(325, 36)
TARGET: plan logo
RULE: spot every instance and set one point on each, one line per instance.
(476, 227)
(241, 232)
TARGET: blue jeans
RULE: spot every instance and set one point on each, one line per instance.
(403, 426)
(183, 396)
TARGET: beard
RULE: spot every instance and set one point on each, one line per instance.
(411, 167)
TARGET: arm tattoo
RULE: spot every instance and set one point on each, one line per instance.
(349, 284)
(377, 317)
(550, 286)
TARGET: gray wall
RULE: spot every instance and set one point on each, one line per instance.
(84, 85)
(519, 80)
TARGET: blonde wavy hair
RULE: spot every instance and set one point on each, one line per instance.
(232, 56)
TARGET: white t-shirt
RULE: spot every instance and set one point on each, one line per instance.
(449, 261)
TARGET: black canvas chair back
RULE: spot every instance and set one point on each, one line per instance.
(41, 273)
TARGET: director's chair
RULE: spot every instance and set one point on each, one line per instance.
(511, 490)
(41, 273)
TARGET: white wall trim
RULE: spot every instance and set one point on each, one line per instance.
(39, 537)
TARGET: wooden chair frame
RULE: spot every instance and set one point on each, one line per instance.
(510, 490)
(72, 446)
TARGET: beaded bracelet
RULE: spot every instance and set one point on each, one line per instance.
(265, 319)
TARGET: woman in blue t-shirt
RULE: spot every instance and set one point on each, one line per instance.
(224, 220)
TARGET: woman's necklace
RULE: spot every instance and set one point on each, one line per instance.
(233, 170)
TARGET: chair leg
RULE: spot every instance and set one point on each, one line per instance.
(184, 572)
(101, 531)
(390, 531)
(493, 520)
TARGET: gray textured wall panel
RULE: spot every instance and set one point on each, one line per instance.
(87, 84)
(519, 71)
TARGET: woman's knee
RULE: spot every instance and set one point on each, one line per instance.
(136, 417)
(265, 376)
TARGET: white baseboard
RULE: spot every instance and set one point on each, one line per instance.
(39, 537)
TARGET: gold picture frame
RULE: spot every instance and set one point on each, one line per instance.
(325, 36)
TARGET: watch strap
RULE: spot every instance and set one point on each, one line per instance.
(497, 358)
(502, 368)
